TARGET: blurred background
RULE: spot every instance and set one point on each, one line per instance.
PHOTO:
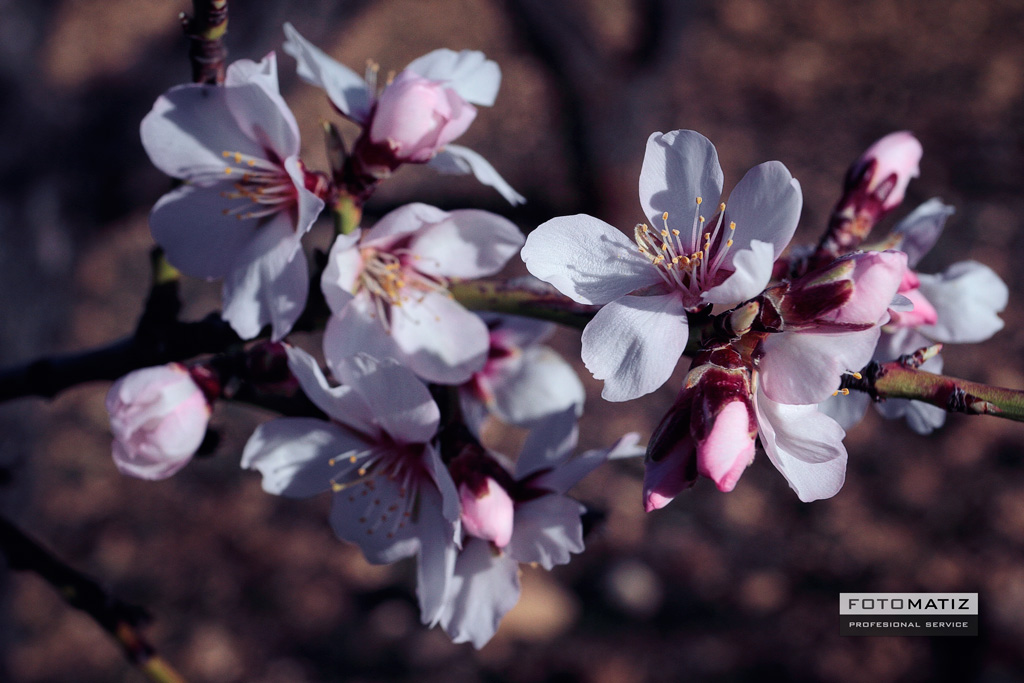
(741, 586)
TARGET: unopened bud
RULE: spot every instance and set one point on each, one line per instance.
(885, 169)
(487, 511)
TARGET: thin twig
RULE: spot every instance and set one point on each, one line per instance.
(205, 30)
(118, 618)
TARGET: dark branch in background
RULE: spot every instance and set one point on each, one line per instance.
(118, 618)
(607, 99)
(205, 30)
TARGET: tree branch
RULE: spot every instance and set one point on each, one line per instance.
(117, 618)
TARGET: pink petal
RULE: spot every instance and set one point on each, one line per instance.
(487, 514)
(729, 448)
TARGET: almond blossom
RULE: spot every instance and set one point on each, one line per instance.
(518, 516)
(695, 250)
(711, 430)
(158, 417)
(960, 305)
(247, 199)
(414, 117)
(522, 380)
(387, 289)
(391, 494)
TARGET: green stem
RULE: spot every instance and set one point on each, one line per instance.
(525, 297)
(902, 378)
(347, 214)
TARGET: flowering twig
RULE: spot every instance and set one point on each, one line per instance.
(523, 296)
(902, 378)
(205, 30)
(118, 618)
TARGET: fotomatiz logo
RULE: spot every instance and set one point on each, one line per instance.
(908, 614)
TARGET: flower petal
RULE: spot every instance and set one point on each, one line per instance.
(189, 129)
(848, 411)
(437, 338)
(806, 367)
(197, 238)
(270, 282)
(967, 297)
(400, 223)
(253, 97)
(586, 259)
(341, 403)
(361, 514)
(634, 343)
(437, 556)
(468, 243)
(753, 271)
(399, 402)
(679, 166)
(805, 445)
(765, 206)
(469, 73)
(549, 444)
(294, 454)
(921, 229)
(356, 329)
(344, 265)
(346, 90)
(547, 530)
(538, 384)
(459, 160)
(484, 588)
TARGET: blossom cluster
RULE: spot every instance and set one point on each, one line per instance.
(393, 428)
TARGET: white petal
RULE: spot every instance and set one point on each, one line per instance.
(401, 223)
(679, 166)
(968, 297)
(346, 90)
(587, 260)
(436, 561)
(753, 271)
(806, 367)
(468, 244)
(197, 238)
(252, 96)
(634, 343)
(344, 265)
(189, 128)
(397, 400)
(459, 160)
(485, 587)
(514, 331)
(341, 403)
(549, 444)
(294, 454)
(922, 228)
(765, 206)
(847, 411)
(539, 384)
(308, 205)
(547, 530)
(805, 445)
(270, 282)
(439, 339)
(469, 73)
(356, 329)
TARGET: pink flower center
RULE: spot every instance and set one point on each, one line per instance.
(687, 262)
(389, 510)
(390, 280)
(265, 185)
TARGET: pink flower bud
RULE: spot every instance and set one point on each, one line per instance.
(415, 117)
(854, 290)
(729, 447)
(158, 417)
(923, 312)
(887, 167)
(487, 511)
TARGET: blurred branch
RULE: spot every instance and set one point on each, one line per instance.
(522, 296)
(205, 30)
(119, 619)
(902, 378)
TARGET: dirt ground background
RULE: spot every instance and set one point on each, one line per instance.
(744, 586)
